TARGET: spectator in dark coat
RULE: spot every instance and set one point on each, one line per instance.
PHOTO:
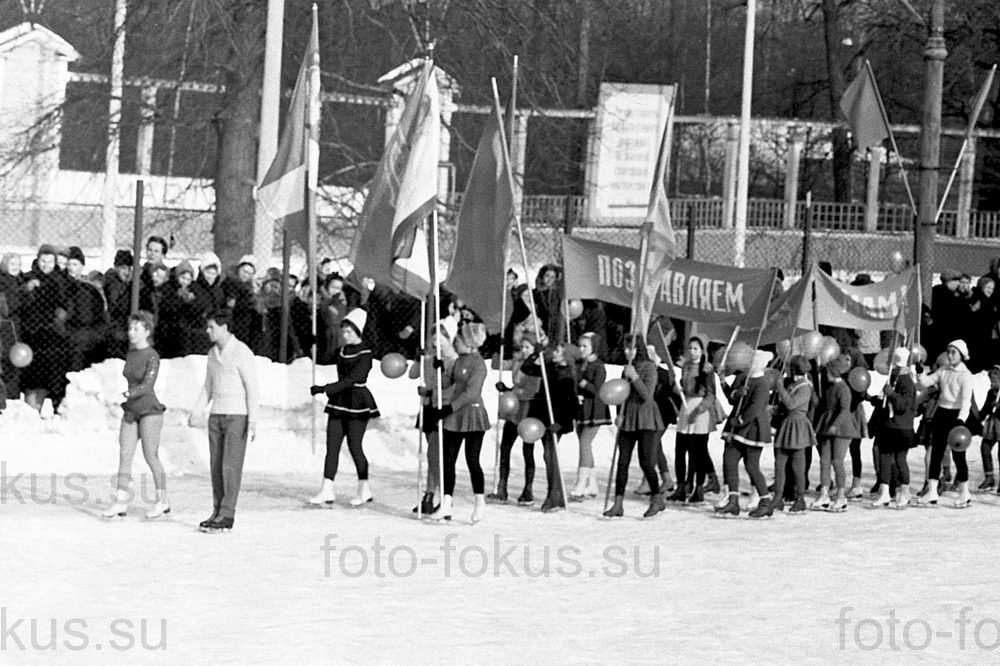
(208, 296)
(117, 285)
(11, 295)
(181, 323)
(982, 325)
(43, 317)
(240, 298)
(87, 316)
(947, 311)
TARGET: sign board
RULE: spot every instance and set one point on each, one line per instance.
(623, 150)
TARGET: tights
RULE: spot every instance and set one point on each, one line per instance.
(473, 445)
(336, 429)
(147, 429)
(751, 461)
(796, 460)
(695, 446)
(832, 451)
(944, 421)
(587, 436)
(507, 439)
(648, 444)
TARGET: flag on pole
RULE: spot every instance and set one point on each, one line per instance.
(862, 105)
(284, 188)
(390, 245)
(480, 255)
(977, 106)
(658, 246)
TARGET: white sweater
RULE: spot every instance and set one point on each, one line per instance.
(955, 385)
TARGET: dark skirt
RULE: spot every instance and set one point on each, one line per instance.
(894, 440)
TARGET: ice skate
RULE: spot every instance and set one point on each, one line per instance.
(964, 500)
(730, 508)
(444, 511)
(427, 506)
(884, 499)
(500, 496)
(119, 509)
(590, 490)
(479, 510)
(712, 485)
(680, 494)
(159, 509)
(988, 484)
(765, 508)
(754, 500)
(855, 491)
(657, 504)
(799, 507)
(325, 496)
(643, 488)
(903, 497)
(526, 498)
(696, 497)
(616, 510)
(822, 502)
(220, 524)
(364, 495)
(931, 497)
(576, 494)
(840, 504)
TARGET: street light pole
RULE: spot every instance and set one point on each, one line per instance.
(930, 147)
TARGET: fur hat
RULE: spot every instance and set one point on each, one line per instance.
(210, 259)
(357, 319)
(759, 362)
(949, 274)
(247, 259)
(839, 366)
(76, 253)
(472, 335)
(46, 249)
(900, 357)
(962, 348)
(123, 258)
(184, 267)
(799, 365)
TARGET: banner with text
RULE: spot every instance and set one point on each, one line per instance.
(692, 290)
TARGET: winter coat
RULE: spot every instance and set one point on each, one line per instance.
(750, 421)
(639, 411)
(246, 320)
(593, 411)
(86, 322)
(834, 417)
(562, 388)
(464, 394)
(795, 430)
(181, 327)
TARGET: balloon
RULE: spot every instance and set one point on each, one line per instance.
(531, 430)
(615, 391)
(740, 355)
(811, 344)
(784, 348)
(859, 379)
(393, 365)
(918, 353)
(959, 438)
(881, 362)
(509, 405)
(829, 351)
(575, 307)
(897, 264)
(20, 355)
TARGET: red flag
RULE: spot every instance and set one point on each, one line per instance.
(390, 245)
(283, 190)
(862, 105)
(658, 245)
(479, 259)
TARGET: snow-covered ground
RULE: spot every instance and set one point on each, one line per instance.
(373, 584)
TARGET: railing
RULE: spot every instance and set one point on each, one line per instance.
(570, 212)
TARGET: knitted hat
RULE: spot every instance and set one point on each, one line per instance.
(900, 357)
(248, 259)
(122, 258)
(949, 274)
(962, 348)
(63, 250)
(472, 334)
(840, 365)
(76, 253)
(572, 354)
(184, 267)
(799, 365)
(46, 249)
(759, 362)
(210, 259)
(356, 318)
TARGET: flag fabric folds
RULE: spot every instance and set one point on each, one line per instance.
(980, 101)
(283, 190)
(658, 246)
(479, 260)
(390, 244)
(862, 106)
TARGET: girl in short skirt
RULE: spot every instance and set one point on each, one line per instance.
(795, 433)
(593, 414)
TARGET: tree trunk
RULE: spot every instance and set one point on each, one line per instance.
(841, 144)
(236, 128)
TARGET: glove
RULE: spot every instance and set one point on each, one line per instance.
(317, 389)
(431, 417)
(438, 363)
(554, 429)
(424, 391)
(503, 388)
(445, 412)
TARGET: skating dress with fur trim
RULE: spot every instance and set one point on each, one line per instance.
(593, 411)
(349, 395)
(751, 425)
(796, 430)
(464, 393)
(836, 418)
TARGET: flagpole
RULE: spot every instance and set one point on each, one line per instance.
(313, 111)
(892, 137)
(977, 109)
(531, 307)
(438, 363)
(420, 406)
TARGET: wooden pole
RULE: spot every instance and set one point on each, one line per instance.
(286, 256)
(137, 245)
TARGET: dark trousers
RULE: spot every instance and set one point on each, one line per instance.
(856, 465)
(794, 460)
(648, 445)
(893, 461)
(735, 451)
(473, 445)
(694, 447)
(336, 429)
(944, 421)
(986, 448)
(227, 447)
(554, 494)
(507, 439)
